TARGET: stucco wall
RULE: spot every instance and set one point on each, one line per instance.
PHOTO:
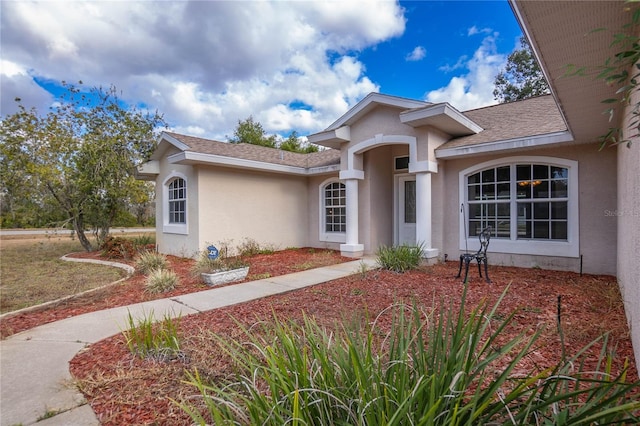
(597, 195)
(184, 245)
(238, 204)
(628, 215)
(376, 203)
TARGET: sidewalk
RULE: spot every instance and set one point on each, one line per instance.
(34, 365)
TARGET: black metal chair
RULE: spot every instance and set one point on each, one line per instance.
(480, 256)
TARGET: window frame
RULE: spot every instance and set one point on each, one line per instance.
(324, 235)
(175, 227)
(544, 247)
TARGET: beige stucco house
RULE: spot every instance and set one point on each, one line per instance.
(403, 171)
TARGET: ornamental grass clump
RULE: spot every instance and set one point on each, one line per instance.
(450, 368)
(161, 281)
(147, 261)
(399, 258)
(149, 340)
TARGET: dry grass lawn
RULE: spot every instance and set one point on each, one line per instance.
(32, 273)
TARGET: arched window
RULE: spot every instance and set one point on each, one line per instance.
(175, 212)
(529, 202)
(333, 205)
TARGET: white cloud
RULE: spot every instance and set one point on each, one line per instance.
(417, 54)
(204, 64)
(462, 60)
(475, 88)
(475, 30)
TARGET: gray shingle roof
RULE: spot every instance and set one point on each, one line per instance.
(259, 153)
(530, 117)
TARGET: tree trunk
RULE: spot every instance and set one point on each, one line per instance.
(78, 226)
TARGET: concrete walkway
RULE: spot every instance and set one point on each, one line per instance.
(35, 382)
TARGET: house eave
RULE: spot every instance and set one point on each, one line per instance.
(331, 138)
(148, 171)
(504, 145)
(193, 158)
(443, 117)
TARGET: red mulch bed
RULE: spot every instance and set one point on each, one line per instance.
(123, 389)
(133, 291)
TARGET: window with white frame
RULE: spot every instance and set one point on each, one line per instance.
(333, 202)
(174, 210)
(177, 201)
(530, 204)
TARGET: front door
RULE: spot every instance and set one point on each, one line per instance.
(406, 210)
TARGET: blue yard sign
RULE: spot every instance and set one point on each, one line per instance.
(213, 252)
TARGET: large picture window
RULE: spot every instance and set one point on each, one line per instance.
(528, 203)
(333, 202)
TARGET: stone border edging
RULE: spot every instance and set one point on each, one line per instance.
(128, 268)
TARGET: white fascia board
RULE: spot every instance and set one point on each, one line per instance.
(379, 99)
(189, 157)
(157, 154)
(331, 138)
(489, 147)
(442, 116)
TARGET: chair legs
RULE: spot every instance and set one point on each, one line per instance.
(486, 270)
(467, 258)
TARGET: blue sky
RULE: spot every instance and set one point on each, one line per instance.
(291, 65)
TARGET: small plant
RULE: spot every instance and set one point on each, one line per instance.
(399, 258)
(143, 240)
(250, 247)
(362, 270)
(147, 261)
(156, 341)
(161, 281)
(205, 264)
(262, 276)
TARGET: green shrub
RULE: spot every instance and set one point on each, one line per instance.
(449, 369)
(161, 281)
(399, 258)
(148, 340)
(144, 240)
(147, 261)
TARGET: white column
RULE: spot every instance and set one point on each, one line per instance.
(351, 248)
(423, 214)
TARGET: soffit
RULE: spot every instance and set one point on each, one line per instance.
(443, 117)
(562, 33)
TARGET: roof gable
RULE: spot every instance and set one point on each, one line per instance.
(370, 102)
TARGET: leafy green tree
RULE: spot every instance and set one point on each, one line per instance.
(252, 132)
(293, 144)
(82, 155)
(521, 78)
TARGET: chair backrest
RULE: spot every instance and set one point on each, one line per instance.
(484, 237)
